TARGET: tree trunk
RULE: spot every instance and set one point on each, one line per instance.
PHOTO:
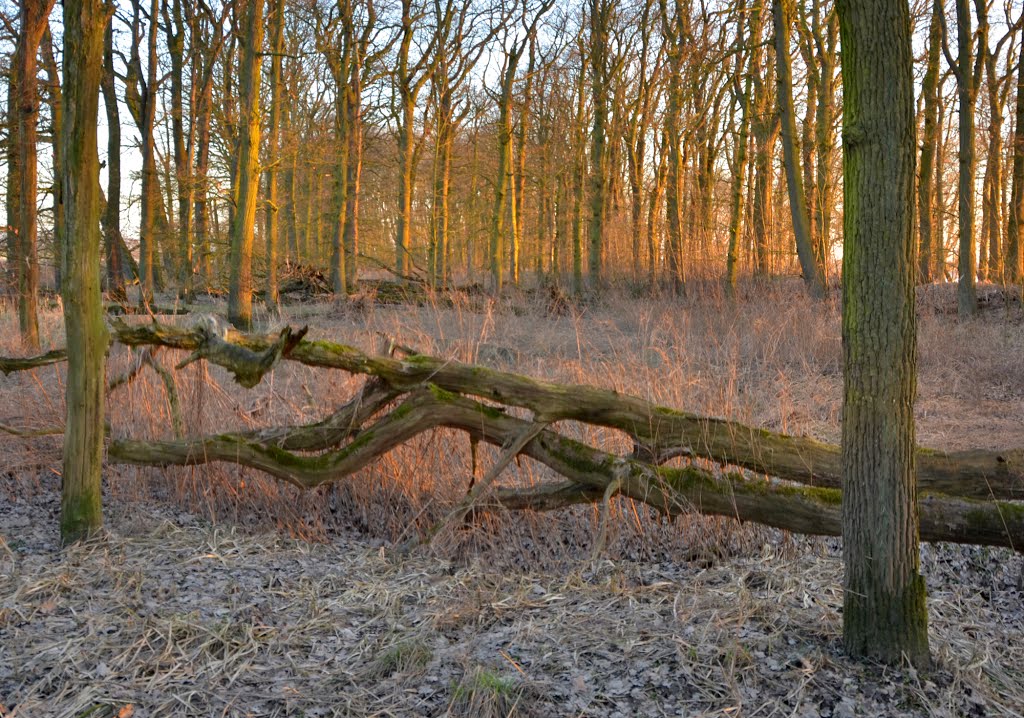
(81, 505)
(884, 612)
(240, 287)
(439, 395)
(57, 113)
(673, 31)
(150, 180)
(967, 300)
(579, 175)
(600, 19)
(501, 187)
(813, 272)
(33, 22)
(175, 32)
(740, 165)
(112, 239)
(929, 142)
(274, 142)
(1014, 263)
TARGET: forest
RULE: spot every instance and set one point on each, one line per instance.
(511, 358)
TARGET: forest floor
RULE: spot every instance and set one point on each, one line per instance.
(217, 592)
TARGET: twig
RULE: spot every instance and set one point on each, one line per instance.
(529, 433)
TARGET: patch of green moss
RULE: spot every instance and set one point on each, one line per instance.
(574, 454)
(80, 517)
(442, 394)
(1009, 513)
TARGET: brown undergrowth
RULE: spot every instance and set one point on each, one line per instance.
(506, 583)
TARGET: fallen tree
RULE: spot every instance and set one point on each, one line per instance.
(788, 482)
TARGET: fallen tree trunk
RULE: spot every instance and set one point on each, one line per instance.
(802, 497)
(670, 490)
(658, 432)
(13, 364)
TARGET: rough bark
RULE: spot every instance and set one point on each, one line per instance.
(884, 612)
(112, 239)
(673, 27)
(81, 508)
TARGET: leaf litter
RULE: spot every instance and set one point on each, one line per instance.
(167, 614)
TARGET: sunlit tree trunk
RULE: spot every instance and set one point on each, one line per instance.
(240, 286)
(884, 611)
(765, 127)
(504, 175)
(990, 262)
(81, 506)
(33, 22)
(579, 175)
(929, 143)
(742, 141)
(967, 301)
(1014, 264)
(813, 272)
(175, 32)
(49, 59)
(673, 29)
(150, 187)
(274, 144)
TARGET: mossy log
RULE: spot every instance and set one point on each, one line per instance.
(437, 394)
(13, 364)
(670, 490)
(658, 432)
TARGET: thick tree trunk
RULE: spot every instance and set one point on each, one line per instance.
(240, 287)
(579, 176)
(884, 613)
(81, 507)
(49, 58)
(355, 172)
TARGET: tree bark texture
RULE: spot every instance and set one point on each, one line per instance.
(884, 613)
(81, 509)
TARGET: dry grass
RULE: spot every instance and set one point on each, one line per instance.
(178, 615)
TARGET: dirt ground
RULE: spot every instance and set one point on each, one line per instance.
(215, 592)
